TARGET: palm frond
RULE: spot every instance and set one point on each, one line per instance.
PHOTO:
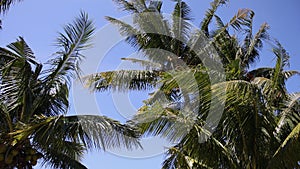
(243, 17)
(53, 158)
(155, 6)
(290, 73)
(255, 44)
(197, 150)
(123, 80)
(6, 4)
(287, 155)
(76, 37)
(125, 28)
(164, 122)
(130, 6)
(56, 79)
(91, 131)
(282, 62)
(181, 26)
(210, 14)
(103, 132)
(148, 65)
(16, 75)
(290, 115)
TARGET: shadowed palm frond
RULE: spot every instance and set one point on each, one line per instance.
(91, 131)
(17, 72)
(287, 155)
(54, 160)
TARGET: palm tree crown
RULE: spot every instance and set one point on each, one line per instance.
(259, 126)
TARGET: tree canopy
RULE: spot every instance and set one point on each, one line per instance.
(258, 126)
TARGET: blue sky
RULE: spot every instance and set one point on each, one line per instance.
(39, 21)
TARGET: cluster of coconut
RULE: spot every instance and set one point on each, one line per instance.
(18, 156)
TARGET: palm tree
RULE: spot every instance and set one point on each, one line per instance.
(259, 127)
(34, 104)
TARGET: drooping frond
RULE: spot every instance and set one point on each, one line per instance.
(125, 28)
(290, 73)
(54, 158)
(53, 152)
(91, 131)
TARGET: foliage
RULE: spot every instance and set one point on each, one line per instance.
(259, 126)
(34, 104)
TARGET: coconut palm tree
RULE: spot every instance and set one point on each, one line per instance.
(259, 126)
(34, 125)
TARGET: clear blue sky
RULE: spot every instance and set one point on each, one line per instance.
(39, 21)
